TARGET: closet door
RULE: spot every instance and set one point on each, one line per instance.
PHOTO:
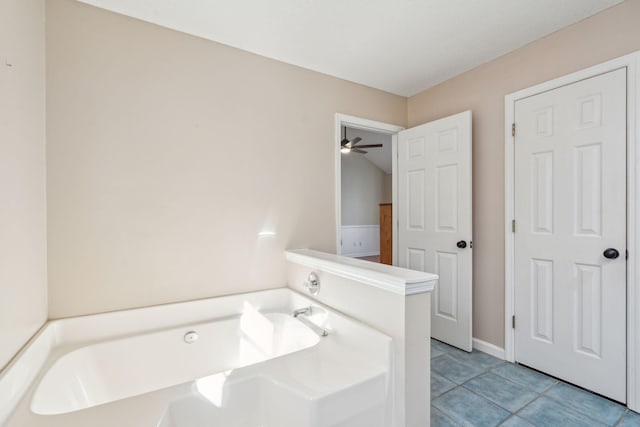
(570, 240)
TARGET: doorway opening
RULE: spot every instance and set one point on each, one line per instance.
(366, 158)
(366, 171)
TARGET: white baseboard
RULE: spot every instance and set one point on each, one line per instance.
(361, 254)
(360, 240)
(490, 349)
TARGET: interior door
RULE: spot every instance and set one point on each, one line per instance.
(570, 241)
(434, 218)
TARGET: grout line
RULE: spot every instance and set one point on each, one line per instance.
(446, 415)
(446, 391)
(521, 409)
(550, 387)
(491, 402)
(513, 415)
(537, 395)
(617, 423)
(450, 416)
(561, 403)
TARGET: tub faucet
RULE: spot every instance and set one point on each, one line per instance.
(306, 311)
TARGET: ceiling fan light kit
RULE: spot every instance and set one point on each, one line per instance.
(347, 146)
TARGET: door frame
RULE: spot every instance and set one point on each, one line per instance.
(374, 126)
(632, 63)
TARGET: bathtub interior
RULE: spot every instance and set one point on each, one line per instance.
(342, 379)
(93, 375)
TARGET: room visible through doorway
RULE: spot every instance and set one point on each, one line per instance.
(366, 194)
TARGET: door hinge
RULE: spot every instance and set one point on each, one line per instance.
(513, 321)
(513, 129)
(513, 225)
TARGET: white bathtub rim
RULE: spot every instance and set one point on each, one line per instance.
(49, 343)
(56, 392)
(156, 317)
(29, 361)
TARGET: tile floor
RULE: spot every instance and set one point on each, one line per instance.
(475, 389)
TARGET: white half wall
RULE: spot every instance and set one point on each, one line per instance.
(403, 315)
(23, 276)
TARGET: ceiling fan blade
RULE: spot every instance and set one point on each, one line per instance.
(344, 142)
(357, 150)
(370, 146)
(355, 140)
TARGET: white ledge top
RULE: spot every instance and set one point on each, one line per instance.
(398, 280)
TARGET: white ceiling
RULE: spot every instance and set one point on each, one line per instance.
(381, 157)
(400, 46)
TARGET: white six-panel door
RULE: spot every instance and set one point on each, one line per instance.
(570, 207)
(434, 218)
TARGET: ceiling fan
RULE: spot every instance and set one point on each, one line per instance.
(347, 146)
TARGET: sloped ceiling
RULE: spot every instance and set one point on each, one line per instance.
(399, 46)
(380, 157)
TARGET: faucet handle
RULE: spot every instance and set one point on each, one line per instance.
(313, 284)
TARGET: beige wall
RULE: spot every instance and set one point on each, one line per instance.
(23, 286)
(610, 34)
(167, 154)
(363, 185)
